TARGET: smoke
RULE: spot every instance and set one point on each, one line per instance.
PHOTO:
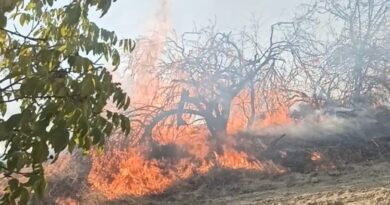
(147, 52)
(319, 124)
(178, 151)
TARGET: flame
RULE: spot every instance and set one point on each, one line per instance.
(321, 162)
(278, 117)
(130, 172)
(133, 175)
(315, 156)
(233, 159)
(276, 111)
(135, 170)
(239, 112)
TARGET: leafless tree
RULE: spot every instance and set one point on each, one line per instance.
(203, 71)
(344, 49)
(332, 52)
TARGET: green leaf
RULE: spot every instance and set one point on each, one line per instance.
(88, 86)
(73, 13)
(24, 19)
(29, 86)
(64, 31)
(3, 108)
(24, 196)
(3, 36)
(125, 124)
(3, 20)
(55, 99)
(83, 126)
(127, 104)
(109, 114)
(50, 2)
(12, 162)
(13, 184)
(104, 6)
(97, 135)
(71, 145)
(108, 128)
(115, 59)
(39, 152)
(115, 119)
(39, 186)
(72, 60)
(59, 138)
(13, 122)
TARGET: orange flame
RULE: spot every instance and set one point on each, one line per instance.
(315, 156)
(131, 172)
(134, 175)
(123, 170)
(233, 159)
(278, 117)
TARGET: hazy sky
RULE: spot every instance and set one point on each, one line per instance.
(128, 17)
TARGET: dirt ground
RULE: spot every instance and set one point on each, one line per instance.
(359, 184)
(364, 183)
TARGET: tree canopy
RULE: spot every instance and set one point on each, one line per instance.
(52, 74)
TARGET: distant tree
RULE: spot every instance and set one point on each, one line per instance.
(344, 49)
(51, 72)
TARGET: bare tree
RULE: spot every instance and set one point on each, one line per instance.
(202, 72)
(343, 50)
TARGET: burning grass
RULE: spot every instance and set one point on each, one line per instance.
(133, 173)
(263, 162)
(220, 185)
(302, 147)
(259, 159)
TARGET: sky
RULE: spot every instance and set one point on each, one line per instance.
(135, 18)
(128, 18)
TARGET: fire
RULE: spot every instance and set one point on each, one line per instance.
(315, 156)
(134, 175)
(321, 162)
(132, 172)
(233, 159)
(275, 113)
(179, 152)
(278, 117)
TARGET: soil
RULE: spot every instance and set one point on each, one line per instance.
(359, 184)
(364, 183)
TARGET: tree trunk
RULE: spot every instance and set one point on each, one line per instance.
(217, 124)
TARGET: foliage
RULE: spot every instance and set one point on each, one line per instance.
(52, 73)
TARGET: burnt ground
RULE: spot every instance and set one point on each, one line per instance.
(355, 183)
(353, 168)
(361, 183)
(355, 174)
